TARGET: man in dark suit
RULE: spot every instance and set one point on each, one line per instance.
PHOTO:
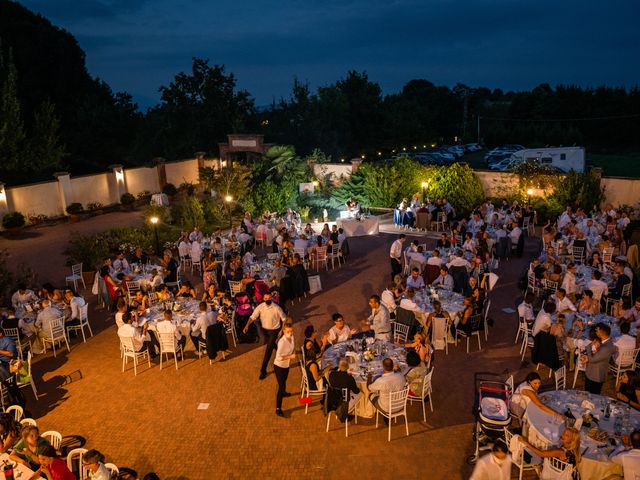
(342, 379)
(598, 361)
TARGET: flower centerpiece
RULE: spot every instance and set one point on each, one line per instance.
(369, 355)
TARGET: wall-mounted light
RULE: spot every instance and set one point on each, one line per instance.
(119, 174)
(3, 195)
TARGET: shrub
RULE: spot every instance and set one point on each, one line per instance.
(144, 195)
(459, 184)
(74, 208)
(579, 190)
(127, 199)
(187, 187)
(87, 249)
(93, 206)
(188, 213)
(13, 220)
(170, 190)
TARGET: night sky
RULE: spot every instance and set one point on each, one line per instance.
(138, 45)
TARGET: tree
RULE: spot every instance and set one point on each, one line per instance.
(12, 134)
(44, 152)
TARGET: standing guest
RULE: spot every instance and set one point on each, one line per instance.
(340, 332)
(51, 466)
(597, 363)
(23, 296)
(378, 321)
(285, 352)
(389, 298)
(93, 460)
(495, 465)
(395, 254)
(271, 316)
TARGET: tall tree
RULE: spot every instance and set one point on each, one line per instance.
(44, 151)
(12, 134)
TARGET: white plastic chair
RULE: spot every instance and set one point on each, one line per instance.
(169, 344)
(84, 322)
(560, 376)
(17, 411)
(320, 258)
(522, 328)
(74, 462)
(76, 275)
(346, 397)
(30, 382)
(21, 344)
(626, 361)
(335, 255)
(474, 320)
(527, 340)
(54, 438)
(397, 403)
(55, 335)
(113, 469)
(427, 390)
(306, 391)
(580, 367)
(400, 332)
(556, 469)
(517, 458)
(28, 421)
(128, 350)
(487, 306)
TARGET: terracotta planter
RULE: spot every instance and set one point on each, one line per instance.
(74, 217)
(14, 231)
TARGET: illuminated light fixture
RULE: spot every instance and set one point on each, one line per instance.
(433, 145)
(530, 192)
(154, 220)
(119, 174)
(342, 160)
(404, 149)
(362, 157)
(393, 151)
(379, 154)
(315, 183)
(424, 184)
(415, 148)
(3, 194)
(228, 198)
(424, 146)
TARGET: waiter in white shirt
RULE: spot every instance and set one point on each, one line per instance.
(395, 254)
(271, 316)
(496, 465)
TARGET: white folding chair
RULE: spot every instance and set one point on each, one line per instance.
(202, 348)
(578, 254)
(626, 360)
(487, 306)
(517, 458)
(113, 469)
(522, 328)
(28, 421)
(474, 321)
(54, 438)
(235, 287)
(21, 343)
(17, 412)
(321, 258)
(169, 344)
(556, 469)
(30, 382)
(74, 462)
(427, 391)
(346, 397)
(306, 391)
(128, 350)
(196, 265)
(84, 322)
(76, 275)
(272, 257)
(55, 335)
(580, 367)
(607, 255)
(132, 288)
(400, 332)
(397, 407)
(527, 340)
(335, 255)
(560, 377)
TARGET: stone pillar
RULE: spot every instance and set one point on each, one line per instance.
(64, 188)
(200, 158)
(355, 164)
(117, 185)
(162, 173)
(4, 202)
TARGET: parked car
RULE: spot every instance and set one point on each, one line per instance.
(473, 147)
(494, 158)
(503, 165)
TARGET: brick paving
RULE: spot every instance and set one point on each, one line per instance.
(151, 422)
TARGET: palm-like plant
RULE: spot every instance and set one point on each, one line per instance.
(284, 163)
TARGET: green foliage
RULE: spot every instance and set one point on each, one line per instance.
(269, 196)
(12, 134)
(187, 187)
(13, 220)
(317, 156)
(581, 190)
(93, 206)
(188, 213)
(532, 174)
(170, 190)
(44, 151)
(145, 195)
(75, 208)
(459, 184)
(87, 249)
(10, 279)
(162, 213)
(127, 199)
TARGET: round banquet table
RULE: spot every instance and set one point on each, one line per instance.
(360, 368)
(583, 277)
(544, 430)
(185, 312)
(451, 302)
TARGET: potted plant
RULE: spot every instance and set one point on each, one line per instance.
(13, 222)
(74, 210)
(95, 208)
(170, 190)
(127, 200)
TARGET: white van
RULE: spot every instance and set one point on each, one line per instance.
(562, 158)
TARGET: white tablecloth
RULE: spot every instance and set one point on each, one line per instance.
(20, 472)
(359, 228)
(160, 199)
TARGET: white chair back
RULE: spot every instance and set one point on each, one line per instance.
(560, 377)
(28, 421)
(17, 412)
(54, 438)
(397, 401)
(235, 287)
(556, 469)
(74, 462)
(76, 269)
(400, 332)
(627, 357)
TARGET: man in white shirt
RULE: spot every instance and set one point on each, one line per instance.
(340, 332)
(563, 304)
(271, 316)
(204, 319)
(76, 303)
(597, 286)
(444, 279)
(569, 282)
(415, 280)
(565, 218)
(196, 250)
(378, 321)
(525, 309)
(417, 258)
(390, 381)
(515, 233)
(389, 295)
(395, 254)
(22, 296)
(459, 261)
(630, 459)
(48, 314)
(138, 336)
(543, 320)
(624, 341)
(408, 303)
(435, 259)
(166, 326)
(121, 265)
(196, 234)
(495, 465)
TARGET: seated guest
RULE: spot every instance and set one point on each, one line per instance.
(621, 281)
(204, 319)
(164, 294)
(25, 451)
(527, 392)
(444, 280)
(9, 432)
(569, 282)
(459, 261)
(311, 341)
(139, 336)
(23, 296)
(138, 257)
(495, 465)
(621, 309)
(626, 389)
(112, 286)
(156, 279)
(416, 373)
(390, 381)
(170, 267)
(465, 324)
(597, 286)
(630, 459)
(415, 280)
(315, 376)
(25, 325)
(569, 451)
(340, 332)
(45, 318)
(166, 326)
(390, 297)
(443, 242)
(423, 348)
(633, 315)
(93, 461)
(472, 289)
(525, 309)
(595, 261)
(341, 378)
(186, 291)
(75, 302)
(417, 257)
(408, 303)
(122, 308)
(435, 259)
(121, 265)
(624, 342)
(563, 304)
(52, 467)
(378, 321)
(140, 301)
(438, 313)
(543, 320)
(210, 295)
(469, 244)
(587, 304)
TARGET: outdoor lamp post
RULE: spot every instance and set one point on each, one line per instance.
(228, 199)
(154, 222)
(529, 194)
(424, 191)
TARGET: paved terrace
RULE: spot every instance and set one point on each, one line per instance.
(151, 422)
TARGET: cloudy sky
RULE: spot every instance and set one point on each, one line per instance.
(138, 45)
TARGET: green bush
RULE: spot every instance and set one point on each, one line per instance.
(87, 249)
(459, 184)
(188, 213)
(75, 208)
(127, 199)
(170, 190)
(13, 220)
(579, 190)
